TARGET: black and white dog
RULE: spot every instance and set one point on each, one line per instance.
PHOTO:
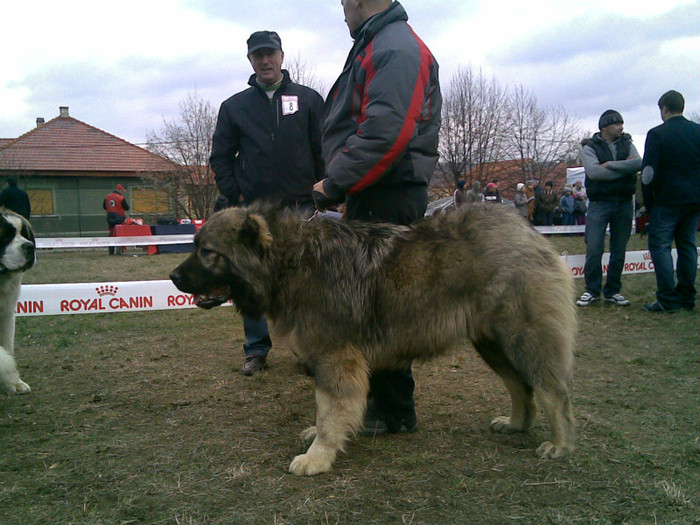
(16, 256)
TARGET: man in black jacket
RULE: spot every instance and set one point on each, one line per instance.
(267, 145)
(380, 135)
(611, 163)
(671, 187)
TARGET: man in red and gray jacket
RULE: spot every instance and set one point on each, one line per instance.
(380, 138)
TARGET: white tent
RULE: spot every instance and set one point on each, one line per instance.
(574, 174)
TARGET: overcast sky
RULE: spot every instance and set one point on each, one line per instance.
(125, 66)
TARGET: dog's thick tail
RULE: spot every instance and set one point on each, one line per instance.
(9, 376)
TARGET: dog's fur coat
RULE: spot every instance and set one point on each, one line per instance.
(352, 297)
(16, 256)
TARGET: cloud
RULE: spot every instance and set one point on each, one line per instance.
(599, 34)
(592, 63)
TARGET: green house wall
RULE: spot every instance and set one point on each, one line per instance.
(77, 204)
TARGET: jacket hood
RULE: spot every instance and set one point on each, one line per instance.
(599, 138)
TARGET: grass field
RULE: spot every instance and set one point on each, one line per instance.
(145, 418)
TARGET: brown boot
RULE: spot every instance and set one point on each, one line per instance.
(253, 364)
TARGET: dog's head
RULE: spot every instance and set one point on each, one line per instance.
(229, 261)
(16, 243)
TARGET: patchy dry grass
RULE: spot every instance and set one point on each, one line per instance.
(144, 418)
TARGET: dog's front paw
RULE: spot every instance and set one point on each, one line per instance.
(552, 451)
(309, 465)
(22, 388)
(308, 434)
(502, 425)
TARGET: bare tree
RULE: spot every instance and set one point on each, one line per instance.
(186, 141)
(300, 73)
(540, 138)
(473, 126)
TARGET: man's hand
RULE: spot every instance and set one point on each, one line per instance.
(321, 200)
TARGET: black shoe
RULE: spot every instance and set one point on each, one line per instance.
(656, 306)
(373, 425)
(253, 364)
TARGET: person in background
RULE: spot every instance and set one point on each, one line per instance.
(520, 200)
(671, 187)
(529, 190)
(611, 163)
(547, 200)
(16, 199)
(474, 194)
(567, 204)
(267, 146)
(581, 202)
(380, 142)
(492, 194)
(116, 206)
(460, 195)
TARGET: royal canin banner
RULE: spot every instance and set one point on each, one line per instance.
(136, 296)
(98, 298)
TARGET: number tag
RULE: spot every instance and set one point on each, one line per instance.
(290, 104)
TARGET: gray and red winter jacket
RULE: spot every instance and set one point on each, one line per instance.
(382, 115)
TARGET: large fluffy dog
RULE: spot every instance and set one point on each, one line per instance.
(16, 256)
(355, 297)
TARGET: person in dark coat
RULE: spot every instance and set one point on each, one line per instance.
(267, 146)
(611, 163)
(671, 189)
(381, 126)
(16, 199)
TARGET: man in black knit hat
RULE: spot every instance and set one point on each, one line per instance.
(611, 163)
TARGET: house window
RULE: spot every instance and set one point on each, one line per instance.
(150, 201)
(42, 202)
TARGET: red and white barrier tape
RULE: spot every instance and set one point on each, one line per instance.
(148, 240)
(104, 242)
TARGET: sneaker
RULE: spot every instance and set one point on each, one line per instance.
(253, 364)
(586, 299)
(658, 307)
(374, 426)
(618, 299)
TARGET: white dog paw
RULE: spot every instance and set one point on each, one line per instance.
(552, 451)
(22, 388)
(308, 434)
(308, 465)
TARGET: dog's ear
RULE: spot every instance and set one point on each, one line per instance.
(255, 233)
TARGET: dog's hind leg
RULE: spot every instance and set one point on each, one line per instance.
(342, 383)
(523, 408)
(557, 405)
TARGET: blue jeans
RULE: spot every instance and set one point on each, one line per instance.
(679, 224)
(257, 336)
(600, 214)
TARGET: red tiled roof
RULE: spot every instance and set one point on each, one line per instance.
(65, 144)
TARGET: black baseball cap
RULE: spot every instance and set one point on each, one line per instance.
(264, 40)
